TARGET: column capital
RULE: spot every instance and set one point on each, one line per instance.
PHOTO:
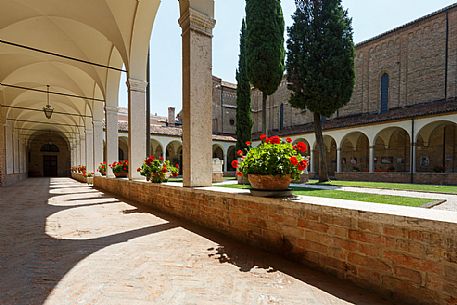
(198, 22)
(137, 85)
(110, 109)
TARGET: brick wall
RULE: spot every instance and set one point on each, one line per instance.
(410, 255)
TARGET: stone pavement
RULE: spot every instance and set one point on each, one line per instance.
(449, 205)
(62, 242)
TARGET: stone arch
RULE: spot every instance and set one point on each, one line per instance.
(51, 163)
(436, 147)
(218, 152)
(392, 150)
(156, 148)
(355, 152)
(331, 154)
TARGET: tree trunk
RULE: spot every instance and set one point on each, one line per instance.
(264, 113)
(323, 170)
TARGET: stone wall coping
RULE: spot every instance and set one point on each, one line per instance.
(389, 213)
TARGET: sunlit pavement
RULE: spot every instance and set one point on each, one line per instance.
(63, 242)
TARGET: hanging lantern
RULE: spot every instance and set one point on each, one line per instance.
(48, 109)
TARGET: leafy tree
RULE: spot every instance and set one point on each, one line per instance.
(265, 48)
(320, 63)
(243, 97)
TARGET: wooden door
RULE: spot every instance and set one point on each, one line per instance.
(50, 166)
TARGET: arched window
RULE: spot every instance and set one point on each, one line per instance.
(384, 93)
(281, 116)
(49, 148)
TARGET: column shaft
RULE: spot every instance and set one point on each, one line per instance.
(137, 126)
(98, 144)
(371, 159)
(112, 145)
(90, 150)
(197, 97)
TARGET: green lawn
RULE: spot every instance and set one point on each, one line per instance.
(384, 199)
(445, 189)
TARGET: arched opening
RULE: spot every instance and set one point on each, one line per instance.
(174, 152)
(218, 152)
(436, 148)
(281, 117)
(123, 149)
(156, 148)
(384, 93)
(48, 156)
(330, 146)
(355, 153)
(392, 150)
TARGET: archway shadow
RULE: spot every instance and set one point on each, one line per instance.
(32, 263)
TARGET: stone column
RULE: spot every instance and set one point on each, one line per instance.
(413, 158)
(22, 155)
(197, 97)
(82, 146)
(338, 160)
(9, 147)
(77, 153)
(137, 126)
(98, 145)
(225, 161)
(16, 153)
(90, 150)
(112, 145)
(311, 161)
(371, 159)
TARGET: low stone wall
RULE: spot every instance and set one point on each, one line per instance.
(421, 178)
(409, 254)
(79, 177)
(13, 179)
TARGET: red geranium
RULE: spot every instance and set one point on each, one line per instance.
(138, 169)
(248, 143)
(293, 160)
(263, 137)
(235, 163)
(302, 165)
(239, 152)
(239, 174)
(274, 140)
(301, 147)
(289, 140)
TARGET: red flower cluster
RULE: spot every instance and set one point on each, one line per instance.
(294, 160)
(274, 140)
(235, 163)
(248, 143)
(239, 152)
(289, 140)
(302, 165)
(301, 147)
(263, 137)
(149, 160)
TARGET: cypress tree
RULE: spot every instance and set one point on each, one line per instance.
(320, 63)
(243, 96)
(265, 48)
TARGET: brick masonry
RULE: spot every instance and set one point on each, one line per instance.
(404, 257)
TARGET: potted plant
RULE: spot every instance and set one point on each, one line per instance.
(158, 170)
(102, 168)
(273, 164)
(120, 169)
(89, 177)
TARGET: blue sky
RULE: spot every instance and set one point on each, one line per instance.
(370, 18)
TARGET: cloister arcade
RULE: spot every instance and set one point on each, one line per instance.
(72, 56)
(388, 147)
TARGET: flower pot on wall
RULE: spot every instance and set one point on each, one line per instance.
(121, 175)
(270, 182)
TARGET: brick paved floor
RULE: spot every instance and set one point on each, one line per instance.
(62, 242)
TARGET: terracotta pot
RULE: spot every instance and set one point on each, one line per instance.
(120, 175)
(269, 182)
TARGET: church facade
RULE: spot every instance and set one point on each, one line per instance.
(401, 120)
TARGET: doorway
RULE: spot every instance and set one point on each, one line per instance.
(50, 166)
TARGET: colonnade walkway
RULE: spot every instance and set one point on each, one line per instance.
(62, 242)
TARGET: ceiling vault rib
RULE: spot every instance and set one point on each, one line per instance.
(40, 122)
(53, 92)
(59, 55)
(41, 110)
